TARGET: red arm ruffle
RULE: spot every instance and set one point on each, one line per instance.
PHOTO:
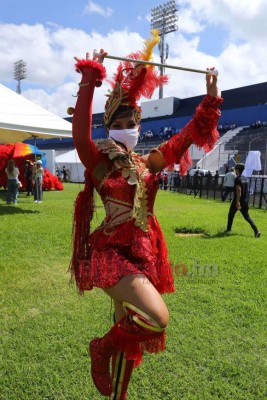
(204, 125)
(201, 130)
(92, 72)
(86, 65)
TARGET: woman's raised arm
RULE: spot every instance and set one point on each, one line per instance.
(201, 130)
(93, 72)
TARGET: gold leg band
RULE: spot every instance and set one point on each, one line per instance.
(155, 326)
(147, 326)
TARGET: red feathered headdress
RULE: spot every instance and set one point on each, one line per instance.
(134, 80)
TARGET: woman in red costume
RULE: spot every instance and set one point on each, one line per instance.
(126, 255)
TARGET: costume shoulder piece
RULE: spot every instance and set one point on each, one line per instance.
(121, 159)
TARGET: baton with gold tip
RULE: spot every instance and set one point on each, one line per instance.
(70, 110)
(200, 71)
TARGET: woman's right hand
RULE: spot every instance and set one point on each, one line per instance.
(99, 56)
(211, 83)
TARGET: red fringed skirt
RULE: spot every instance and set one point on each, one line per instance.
(127, 250)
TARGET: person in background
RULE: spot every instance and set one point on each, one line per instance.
(59, 173)
(28, 176)
(65, 174)
(240, 201)
(126, 255)
(208, 180)
(12, 173)
(165, 181)
(196, 182)
(216, 180)
(228, 184)
(38, 181)
(160, 177)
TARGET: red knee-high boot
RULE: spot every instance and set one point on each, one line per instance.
(132, 335)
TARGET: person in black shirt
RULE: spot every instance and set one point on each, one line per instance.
(65, 174)
(240, 200)
(28, 176)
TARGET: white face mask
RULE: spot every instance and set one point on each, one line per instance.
(129, 137)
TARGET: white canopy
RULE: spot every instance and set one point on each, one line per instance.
(253, 163)
(73, 165)
(20, 119)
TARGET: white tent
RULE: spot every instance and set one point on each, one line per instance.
(20, 119)
(73, 164)
(253, 163)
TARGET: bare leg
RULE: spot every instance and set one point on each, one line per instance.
(150, 317)
(138, 291)
(119, 310)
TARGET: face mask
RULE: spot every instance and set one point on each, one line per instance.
(129, 137)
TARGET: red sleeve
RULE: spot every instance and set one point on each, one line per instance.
(201, 130)
(92, 75)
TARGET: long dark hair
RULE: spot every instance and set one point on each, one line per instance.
(10, 166)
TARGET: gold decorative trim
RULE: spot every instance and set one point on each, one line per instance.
(121, 373)
(118, 201)
(147, 326)
(140, 210)
(126, 305)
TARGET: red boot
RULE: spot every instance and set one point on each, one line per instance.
(131, 336)
(126, 340)
(100, 352)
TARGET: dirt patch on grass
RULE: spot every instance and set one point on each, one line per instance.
(189, 234)
(182, 232)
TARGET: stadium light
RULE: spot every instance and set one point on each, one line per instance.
(164, 18)
(20, 72)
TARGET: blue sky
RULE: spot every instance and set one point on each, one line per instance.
(227, 34)
(98, 16)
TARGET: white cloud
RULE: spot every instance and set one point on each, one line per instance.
(244, 19)
(94, 8)
(57, 102)
(188, 22)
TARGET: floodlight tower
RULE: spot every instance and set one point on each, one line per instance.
(20, 73)
(164, 18)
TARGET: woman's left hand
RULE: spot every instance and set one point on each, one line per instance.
(211, 82)
(97, 56)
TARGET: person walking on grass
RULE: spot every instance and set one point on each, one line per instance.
(126, 255)
(228, 184)
(12, 173)
(65, 174)
(240, 201)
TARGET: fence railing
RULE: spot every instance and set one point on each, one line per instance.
(213, 189)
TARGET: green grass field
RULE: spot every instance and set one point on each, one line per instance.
(217, 333)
